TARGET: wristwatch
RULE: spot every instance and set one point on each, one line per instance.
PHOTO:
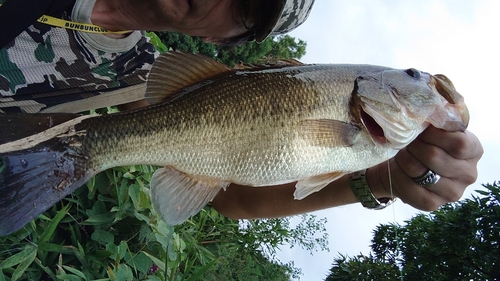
(362, 191)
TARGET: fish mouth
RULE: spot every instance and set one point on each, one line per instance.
(456, 111)
(375, 130)
(389, 130)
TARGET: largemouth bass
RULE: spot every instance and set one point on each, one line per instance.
(211, 126)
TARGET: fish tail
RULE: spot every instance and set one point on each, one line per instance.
(35, 178)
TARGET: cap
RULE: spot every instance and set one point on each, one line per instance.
(284, 16)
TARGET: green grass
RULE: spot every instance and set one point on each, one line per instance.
(106, 230)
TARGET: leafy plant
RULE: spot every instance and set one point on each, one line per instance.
(272, 48)
(107, 230)
(460, 241)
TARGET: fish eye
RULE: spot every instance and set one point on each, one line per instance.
(413, 72)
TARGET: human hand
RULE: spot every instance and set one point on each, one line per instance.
(452, 155)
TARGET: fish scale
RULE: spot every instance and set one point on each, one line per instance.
(211, 126)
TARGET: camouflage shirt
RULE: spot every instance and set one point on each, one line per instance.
(46, 66)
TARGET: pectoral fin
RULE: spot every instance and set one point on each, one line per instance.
(177, 196)
(307, 186)
(328, 132)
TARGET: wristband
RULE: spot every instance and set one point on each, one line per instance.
(363, 193)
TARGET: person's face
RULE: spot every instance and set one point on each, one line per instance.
(212, 20)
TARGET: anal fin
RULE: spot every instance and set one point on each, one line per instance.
(307, 186)
(177, 196)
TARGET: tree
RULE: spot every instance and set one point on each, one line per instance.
(273, 48)
(238, 248)
(460, 241)
(250, 266)
(279, 47)
(182, 42)
(246, 249)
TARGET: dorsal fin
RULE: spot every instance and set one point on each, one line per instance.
(268, 64)
(173, 71)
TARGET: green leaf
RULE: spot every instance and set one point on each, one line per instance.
(122, 249)
(141, 262)
(20, 257)
(79, 253)
(75, 271)
(202, 271)
(179, 243)
(19, 271)
(68, 277)
(102, 183)
(102, 237)
(156, 41)
(111, 274)
(91, 187)
(123, 272)
(46, 269)
(172, 254)
(482, 192)
(101, 219)
(134, 193)
(49, 231)
(141, 217)
(163, 234)
(128, 175)
(155, 260)
(98, 208)
(48, 247)
(110, 247)
(122, 193)
(140, 197)
(102, 253)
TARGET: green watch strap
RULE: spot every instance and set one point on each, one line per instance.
(362, 191)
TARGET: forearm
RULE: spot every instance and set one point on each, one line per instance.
(239, 202)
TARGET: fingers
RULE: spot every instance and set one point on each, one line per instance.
(450, 154)
(461, 145)
(410, 192)
(453, 155)
(410, 164)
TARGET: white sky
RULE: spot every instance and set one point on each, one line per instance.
(456, 38)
